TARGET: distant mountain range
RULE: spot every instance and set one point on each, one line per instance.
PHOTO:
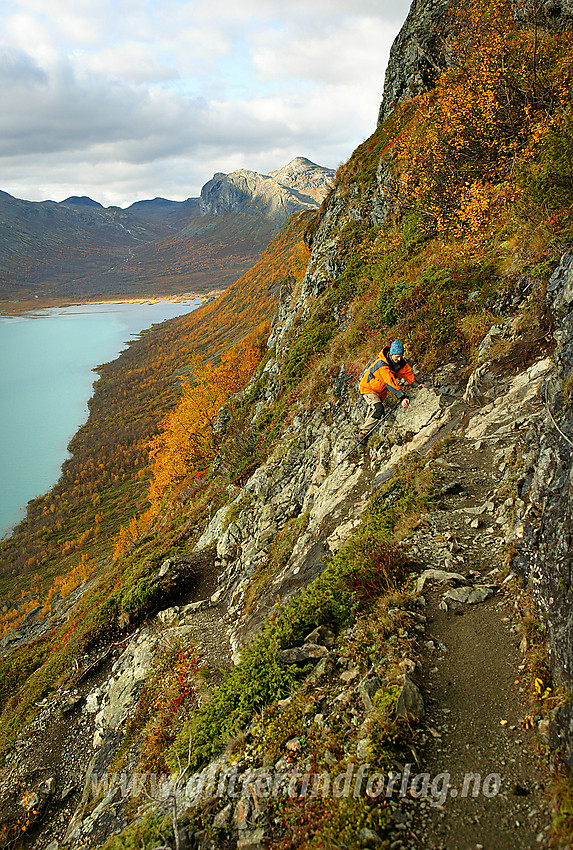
(78, 249)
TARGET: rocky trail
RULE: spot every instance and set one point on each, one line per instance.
(481, 779)
(478, 729)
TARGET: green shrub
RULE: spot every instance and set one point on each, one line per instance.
(18, 666)
(316, 334)
(143, 834)
(243, 449)
(385, 731)
(332, 823)
(139, 595)
(427, 305)
(391, 296)
(548, 180)
(413, 232)
(368, 565)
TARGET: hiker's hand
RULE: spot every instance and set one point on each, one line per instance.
(405, 402)
(422, 387)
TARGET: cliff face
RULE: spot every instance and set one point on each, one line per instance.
(417, 56)
(420, 51)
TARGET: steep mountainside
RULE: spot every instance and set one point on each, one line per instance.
(133, 393)
(78, 249)
(301, 640)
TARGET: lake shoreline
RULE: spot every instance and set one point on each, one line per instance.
(32, 457)
(16, 308)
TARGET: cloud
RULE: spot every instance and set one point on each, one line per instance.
(18, 70)
(338, 56)
(148, 99)
(132, 62)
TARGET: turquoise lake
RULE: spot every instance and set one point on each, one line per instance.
(46, 381)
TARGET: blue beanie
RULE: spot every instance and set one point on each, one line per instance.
(397, 348)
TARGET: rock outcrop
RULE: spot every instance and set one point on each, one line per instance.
(418, 55)
(547, 546)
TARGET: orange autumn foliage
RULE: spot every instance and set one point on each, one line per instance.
(457, 156)
(187, 442)
(130, 533)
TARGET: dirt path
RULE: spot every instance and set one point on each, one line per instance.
(472, 679)
(476, 707)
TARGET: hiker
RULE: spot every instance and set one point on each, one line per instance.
(381, 377)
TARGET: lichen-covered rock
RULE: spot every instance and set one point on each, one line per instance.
(410, 703)
(439, 576)
(122, 689)
(305, 654)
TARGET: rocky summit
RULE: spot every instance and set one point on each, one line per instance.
(299, 185)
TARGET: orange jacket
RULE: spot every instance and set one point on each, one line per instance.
(383, 375)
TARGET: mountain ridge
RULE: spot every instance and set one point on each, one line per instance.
(280, 192)
(77, 248)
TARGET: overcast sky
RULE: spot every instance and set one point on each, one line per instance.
(129, 99)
